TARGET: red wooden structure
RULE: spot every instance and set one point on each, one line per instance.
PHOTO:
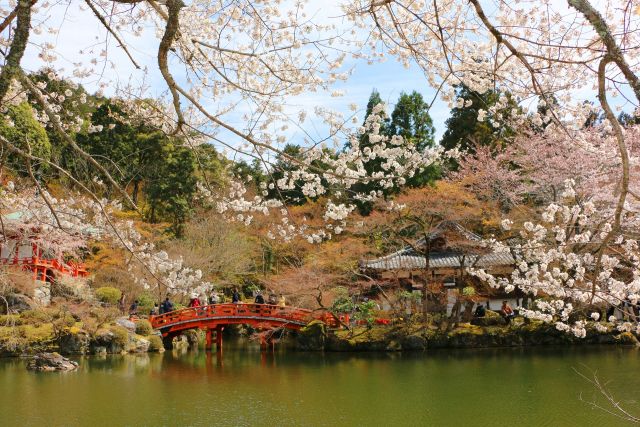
(214, 317)
(30, 256)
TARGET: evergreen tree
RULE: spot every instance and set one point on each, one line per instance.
(464, 130)
(411, 120)
(172, 185)
(21, 128)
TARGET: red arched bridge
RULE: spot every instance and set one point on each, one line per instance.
(215, 317)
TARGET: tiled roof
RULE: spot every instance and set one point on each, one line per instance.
(408, 259)
(402, 261)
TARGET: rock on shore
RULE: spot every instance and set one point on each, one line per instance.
(48, 362)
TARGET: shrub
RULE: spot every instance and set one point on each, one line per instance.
(468, 291)
(143, 327)
(108, 295)
(155, 343)
(145, 303)
(36, 317)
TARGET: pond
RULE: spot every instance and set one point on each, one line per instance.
(526, 387)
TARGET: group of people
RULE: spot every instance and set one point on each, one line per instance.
(215, 298)
(273, 300)
(506, 311)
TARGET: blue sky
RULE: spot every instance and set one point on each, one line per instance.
(79, 31)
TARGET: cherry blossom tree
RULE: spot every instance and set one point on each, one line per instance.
(535, 166)
(217, 57)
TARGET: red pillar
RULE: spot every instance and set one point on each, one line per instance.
(219, 330)
(209, 341)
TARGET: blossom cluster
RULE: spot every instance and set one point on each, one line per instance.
(574, 260)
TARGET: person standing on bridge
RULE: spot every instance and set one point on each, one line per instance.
(166, 306)
(214, 298)
(155, 310)
(194, 302)
(235, 297)
(281, 301)
(272, 299)
(259, 298)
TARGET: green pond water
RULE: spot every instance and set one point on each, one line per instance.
(521, 387)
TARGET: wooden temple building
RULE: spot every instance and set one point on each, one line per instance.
(451, 250)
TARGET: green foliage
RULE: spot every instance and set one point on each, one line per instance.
(413, 296)
(10, 320)
(143, 327)
(22, 129)
(468, 291)
(76, 104)
(123, 149)
(411, 120)
(171, 186)
(108, 295)
(250, 288)
(36, 317)
(149, 163)
(365, 311)
(342, 303)
(464, 131)
(145, 302)
(250, 172)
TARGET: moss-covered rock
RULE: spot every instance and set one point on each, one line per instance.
(194, 337)
(74, 341)
(312, 337)
(137, 344)
(420, 337)
(155, 343)
(143, 327)
(48, 362)
(491, 318)
(627, 338)
(413, 342)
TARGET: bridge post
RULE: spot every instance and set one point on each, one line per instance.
(209, 342)
(219, 330)
(167, 342)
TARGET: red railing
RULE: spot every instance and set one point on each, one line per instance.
(253, 314)
(73, 269)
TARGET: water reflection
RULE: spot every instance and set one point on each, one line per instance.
(247, 387)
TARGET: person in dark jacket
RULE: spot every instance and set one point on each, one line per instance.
(133, 309)
(259, 298)
(235, 297)
(273, 300)
(167, 305)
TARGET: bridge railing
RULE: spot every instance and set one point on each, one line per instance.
(291, 314)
